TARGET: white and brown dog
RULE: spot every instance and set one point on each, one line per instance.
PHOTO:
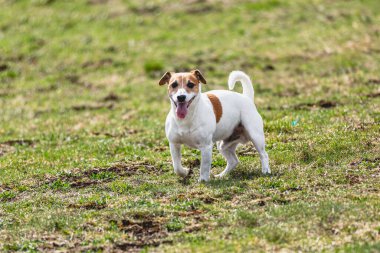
(200, 119)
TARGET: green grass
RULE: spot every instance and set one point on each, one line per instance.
(84, 161)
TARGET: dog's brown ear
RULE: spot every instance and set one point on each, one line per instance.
(199, 76)
(165, 78)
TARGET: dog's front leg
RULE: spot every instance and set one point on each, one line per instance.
(175, 150)
(206, 152)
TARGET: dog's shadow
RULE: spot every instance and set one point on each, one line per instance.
(239, 175)
(242, 173)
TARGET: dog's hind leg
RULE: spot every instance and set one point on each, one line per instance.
(228, 149)
(253, 125)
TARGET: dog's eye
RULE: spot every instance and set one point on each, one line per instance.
(174, 85)
(190, 85)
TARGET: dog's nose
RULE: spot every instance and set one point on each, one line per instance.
(181, 98)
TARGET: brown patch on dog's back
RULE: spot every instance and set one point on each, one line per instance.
(217, 106)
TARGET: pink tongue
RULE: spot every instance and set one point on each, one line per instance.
(181, 110)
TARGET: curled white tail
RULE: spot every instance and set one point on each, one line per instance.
(236, 76)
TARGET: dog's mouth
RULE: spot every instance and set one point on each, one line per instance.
(181, 107)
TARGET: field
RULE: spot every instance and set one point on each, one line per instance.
(84, 161)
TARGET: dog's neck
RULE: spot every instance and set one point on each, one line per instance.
(192, 111)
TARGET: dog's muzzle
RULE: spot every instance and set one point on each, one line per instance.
(181, 107)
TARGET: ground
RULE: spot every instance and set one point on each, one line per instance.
(84, 162)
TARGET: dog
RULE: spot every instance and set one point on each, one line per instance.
(199, 120)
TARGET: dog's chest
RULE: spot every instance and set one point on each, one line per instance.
(191, 137)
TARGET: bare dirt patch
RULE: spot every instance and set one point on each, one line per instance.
(5, 93)
(205, 198)
(75, 79)
(280, 199)
(123, 133)
(4, 149)
(373, 163)
(98, 64)
(321, 104)
(373, 81)
(88, 206)
(196, 223)
(147, 9)
(111, 97)
(269, 67)
(18, 142)
(9, 146)
(146, 232)
(353, 179)
(150, 230)
(95, 2)
(3, 67)
(49, 88)
(56, 242)
(90, 107)
(374, 95)
(81, 179)
(201, 9)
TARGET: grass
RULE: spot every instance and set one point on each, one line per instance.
(84, 162)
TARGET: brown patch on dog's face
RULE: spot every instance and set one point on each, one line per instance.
(199, 76)
(183, 88)
(187, 81)
(183, 84)
(165, 78)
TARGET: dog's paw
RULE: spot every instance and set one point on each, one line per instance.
(189, 173)
(203, 180)
(183, 172)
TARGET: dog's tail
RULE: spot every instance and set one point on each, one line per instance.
(242, 77)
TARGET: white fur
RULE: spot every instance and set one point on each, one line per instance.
(240, 76)
(200, 130)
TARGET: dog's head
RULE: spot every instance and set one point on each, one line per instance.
(183, 88)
